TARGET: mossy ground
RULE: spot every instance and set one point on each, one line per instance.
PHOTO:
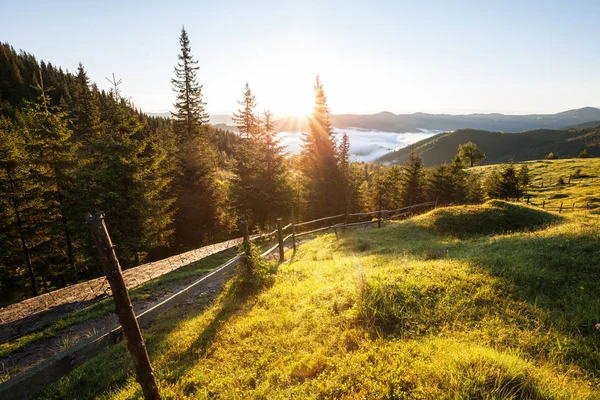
(405, 311)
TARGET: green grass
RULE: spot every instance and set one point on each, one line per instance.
(581, 191)
(106, 306)
(493, 217)
(405, 311)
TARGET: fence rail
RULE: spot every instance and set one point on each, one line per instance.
(50, 370)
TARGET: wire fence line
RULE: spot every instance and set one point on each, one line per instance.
(35, 379)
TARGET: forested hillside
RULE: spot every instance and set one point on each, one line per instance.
(165, 185)
(501, 147)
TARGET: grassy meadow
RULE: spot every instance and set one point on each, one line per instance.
(419, 309)
(583, 189)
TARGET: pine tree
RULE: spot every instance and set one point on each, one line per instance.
(263, 190)
(320, 160)
(413, 185)
(52, 153)
(190, 117)
(195, 184)
(14, 199)
(275, 189)
(245, 119)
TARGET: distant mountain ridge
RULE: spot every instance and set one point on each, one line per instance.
(403, 123)
(502, 146)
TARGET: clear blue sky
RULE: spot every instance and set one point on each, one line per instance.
(400, 56)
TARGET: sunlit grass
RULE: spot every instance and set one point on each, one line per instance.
(405, 311)
(581, 191)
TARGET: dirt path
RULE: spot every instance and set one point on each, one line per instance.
(33, 354)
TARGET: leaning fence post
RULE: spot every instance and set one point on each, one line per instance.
(293, 233)
(280, 240)
(528, 197)
(560, 209)
(573, 207)
(436, 202)
(544, 204)
(123, 307)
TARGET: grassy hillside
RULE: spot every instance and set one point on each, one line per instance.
(501, 147)
(418, 309)
(544, 181)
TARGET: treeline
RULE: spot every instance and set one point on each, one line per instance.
(166, 185)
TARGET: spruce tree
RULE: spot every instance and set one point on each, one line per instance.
(15, 198)
(245, 119)
(52, 152)
(195, 184)
(320, 160)
(412, 184)
(190, 117)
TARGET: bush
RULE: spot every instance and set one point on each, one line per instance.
(254, 270)
(552, 156)
(561, 180)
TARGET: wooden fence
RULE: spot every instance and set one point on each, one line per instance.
(50, 370)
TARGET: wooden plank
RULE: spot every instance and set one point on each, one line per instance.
(319, 220)
(269, 251)
(313, 231)
(355, 224)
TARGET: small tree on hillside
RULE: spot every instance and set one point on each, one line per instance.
(584, 154)
(413, 183)
(504, 184)
(470, 153)
(552, 156)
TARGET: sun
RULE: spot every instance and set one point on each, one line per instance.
(297, 106)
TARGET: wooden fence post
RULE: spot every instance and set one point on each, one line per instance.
(246, 242)
(560, 209)
(379, 214)
(293, 233)
(544, 204)
(436, 202)
(280, 240)
(123, 307)
(573, 209)
(528, 197)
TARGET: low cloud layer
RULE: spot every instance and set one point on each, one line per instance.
(365, 145)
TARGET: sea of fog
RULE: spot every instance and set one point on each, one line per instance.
(365, 145)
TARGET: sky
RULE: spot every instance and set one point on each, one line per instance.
(399, 56)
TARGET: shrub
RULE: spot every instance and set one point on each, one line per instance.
(552, 156)
(254, 270)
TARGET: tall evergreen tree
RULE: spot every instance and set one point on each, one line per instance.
(320, 159)
(14, 200)
(245, 119)
(190, 117)
(52, 152)
(413, 184)
(195, 184)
